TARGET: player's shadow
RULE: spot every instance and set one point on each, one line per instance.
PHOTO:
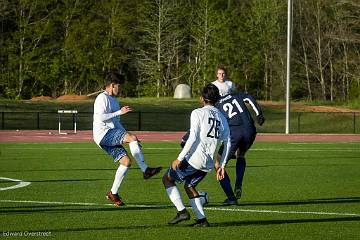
(68, 208)
(118, 227)
(290, 165)
(304, 202)
(284, 221)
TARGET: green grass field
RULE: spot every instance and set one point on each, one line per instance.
(291, 191)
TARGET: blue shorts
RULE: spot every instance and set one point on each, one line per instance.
(187, 174)
(112, 143)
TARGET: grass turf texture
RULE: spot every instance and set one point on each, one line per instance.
(291, 191)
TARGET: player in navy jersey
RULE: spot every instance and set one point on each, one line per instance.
(243, 133)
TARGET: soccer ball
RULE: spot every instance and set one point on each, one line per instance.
(204, 197)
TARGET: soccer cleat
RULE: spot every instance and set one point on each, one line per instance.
(149, 172)
(200, 223)
(180, 216)
(230, 201)
(115, 198)
(238, 192)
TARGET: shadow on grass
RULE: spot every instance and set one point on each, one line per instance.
(295, 165)
(212, 225)
(71, 208)
(120, 227)
(60, 180)
(69, 170)
(284, 221)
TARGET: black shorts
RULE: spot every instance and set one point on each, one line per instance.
(241, 139)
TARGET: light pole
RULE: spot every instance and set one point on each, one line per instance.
(289, 38)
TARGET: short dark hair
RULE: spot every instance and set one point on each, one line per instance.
(210, 93)
(221, 67)
(114, 78)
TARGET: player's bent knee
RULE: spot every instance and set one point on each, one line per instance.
(129, 137)
(165, 179)
(125, 161)
(191, 191)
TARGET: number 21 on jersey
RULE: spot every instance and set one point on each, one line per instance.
(229, 108)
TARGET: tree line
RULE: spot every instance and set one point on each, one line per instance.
(56, 47)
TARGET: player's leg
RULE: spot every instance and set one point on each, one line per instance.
(195, 202)
(118, 153)
(136, 152)
(174, 195)
(225, 183)
(240, 172)
(244, 145)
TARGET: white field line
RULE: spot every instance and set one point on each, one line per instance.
(169, 206)
(19, 183)
(321, 143)
(306, 150)
(281, 212)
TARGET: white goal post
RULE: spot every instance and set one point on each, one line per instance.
(74, 118)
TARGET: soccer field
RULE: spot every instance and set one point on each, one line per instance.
(292, 190)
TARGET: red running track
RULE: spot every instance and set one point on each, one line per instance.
(148, 136)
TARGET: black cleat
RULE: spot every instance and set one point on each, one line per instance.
(149, 172)
(238, 192)
(180, 216)
(230, 201)
(200, 223)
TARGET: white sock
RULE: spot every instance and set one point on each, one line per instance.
(175, 197)
(197, 207)
(119, 176)
(137, 154)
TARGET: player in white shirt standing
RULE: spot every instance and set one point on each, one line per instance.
(224, 85)
(110, 135)
(208, 128)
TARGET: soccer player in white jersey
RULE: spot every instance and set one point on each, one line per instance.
(110, 135)
(224, 85)
(208, 128)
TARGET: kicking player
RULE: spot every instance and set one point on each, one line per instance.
(110, 135)
(208, 127)
(243, 133)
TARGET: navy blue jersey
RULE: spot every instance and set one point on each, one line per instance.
(234, 108)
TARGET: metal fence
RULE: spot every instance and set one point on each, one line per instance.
(300, 122)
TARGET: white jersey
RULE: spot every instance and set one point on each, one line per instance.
(106, 115)
(208, 128)
(225, 87)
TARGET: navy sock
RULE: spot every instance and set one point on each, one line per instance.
(226, 186)
(240, 171)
